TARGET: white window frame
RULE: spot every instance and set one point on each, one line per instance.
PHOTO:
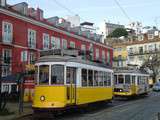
(6, 36)
(5, 73)
(55, 43)
(103, 56)
(72, 44)
(64, 44)
(45, 41)
(97, 54)
(150, 36)
(24, 56)
(31, 57)
(31, 38)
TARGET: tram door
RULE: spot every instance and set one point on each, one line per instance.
(71, 84)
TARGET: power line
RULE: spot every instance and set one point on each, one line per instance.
(63, 6)
(124, 12)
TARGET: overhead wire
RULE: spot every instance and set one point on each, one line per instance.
(66, 8)
(123, 11)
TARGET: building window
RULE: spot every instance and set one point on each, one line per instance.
(150, 36)
(6, 69)
(24, 56)
(97, 54)
(7, 56)
(119, 49)
(140, 38)
(150, 48)
(131, 58)
(141, 50)
(32, 58)
(83, 47)
(64, 43)
(131, 50)
(72, 44)
(108, 57)
(45, 41)
(55, 43)
(31, 38)
(103, 56)
(91, 50)
(7, 32)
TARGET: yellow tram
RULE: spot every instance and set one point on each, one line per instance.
(130, 83)
(64, 81)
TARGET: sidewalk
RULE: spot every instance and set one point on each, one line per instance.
(13, 107)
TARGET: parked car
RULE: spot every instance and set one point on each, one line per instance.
(156, 87)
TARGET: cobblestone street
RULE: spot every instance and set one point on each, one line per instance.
(141, 108)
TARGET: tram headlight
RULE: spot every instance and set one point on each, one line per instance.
(42, 98)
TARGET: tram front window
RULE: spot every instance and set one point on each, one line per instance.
(57, 74)
(127, 79)
(120, 79)
(44, 74)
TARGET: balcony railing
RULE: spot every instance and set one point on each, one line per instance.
(144, 52)
(119, 59)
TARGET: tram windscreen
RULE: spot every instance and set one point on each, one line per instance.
(57, 74)
(120, 79)
(44, 74)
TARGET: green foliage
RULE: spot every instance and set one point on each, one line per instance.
(119, 32)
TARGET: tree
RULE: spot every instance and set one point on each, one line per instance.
(119, 32)
(152, 63)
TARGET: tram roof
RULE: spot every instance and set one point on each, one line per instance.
(57, 58)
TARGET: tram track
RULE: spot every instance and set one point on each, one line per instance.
(139, 104)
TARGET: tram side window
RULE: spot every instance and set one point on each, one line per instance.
(127, 79)
(120, 79)
(115, 79)
(108, 79)
(44, 74)
(105, 78)
(71, 75)
(133, 79)
(90, 78)
(84, 77)
(95, 78)
(100, 78)
(57, 74)
(139, 80)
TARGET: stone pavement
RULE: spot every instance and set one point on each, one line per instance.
(14, 107)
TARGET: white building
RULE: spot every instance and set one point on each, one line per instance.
(107, 28)
(74, 20)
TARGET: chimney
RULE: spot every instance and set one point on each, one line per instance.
(31, 12)
(3, 3)
(39, 15)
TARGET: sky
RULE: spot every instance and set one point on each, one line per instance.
(96, 11)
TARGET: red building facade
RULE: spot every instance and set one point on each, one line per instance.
(22, 37)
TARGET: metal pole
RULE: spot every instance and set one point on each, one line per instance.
(158, 115)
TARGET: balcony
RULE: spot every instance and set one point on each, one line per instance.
(119, 58)
(144, 52)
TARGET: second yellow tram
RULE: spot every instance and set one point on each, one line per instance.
(130, 83)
